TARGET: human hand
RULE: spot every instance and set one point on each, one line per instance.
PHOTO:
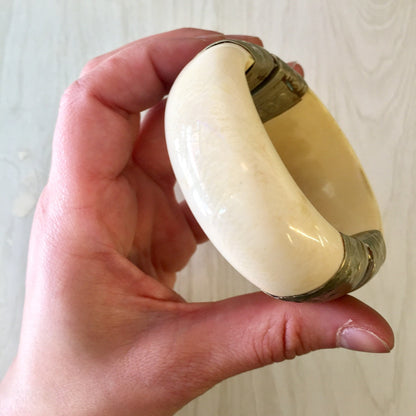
(103, 331)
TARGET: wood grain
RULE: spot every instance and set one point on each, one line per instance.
(359, 56)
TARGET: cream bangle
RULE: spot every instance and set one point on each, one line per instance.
(269, 175)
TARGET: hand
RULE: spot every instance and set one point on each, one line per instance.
(103, 332)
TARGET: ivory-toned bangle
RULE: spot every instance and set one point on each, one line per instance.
(269, 175)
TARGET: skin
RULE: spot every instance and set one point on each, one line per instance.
(103, 331)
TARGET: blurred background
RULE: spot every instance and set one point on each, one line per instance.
(360, 58)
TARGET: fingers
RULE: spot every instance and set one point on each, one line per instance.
(251, 331)
(185, 32)
(99, 115)
(206, 35)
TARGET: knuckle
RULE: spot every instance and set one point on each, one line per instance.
(291, 340)
(279, 341)
(91, 64)
(73, 94)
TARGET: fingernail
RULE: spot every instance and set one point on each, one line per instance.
(297, 67)
(359, 339)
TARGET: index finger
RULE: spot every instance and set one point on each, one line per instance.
(99, 118)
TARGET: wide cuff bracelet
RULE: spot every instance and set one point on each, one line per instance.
(269, 175)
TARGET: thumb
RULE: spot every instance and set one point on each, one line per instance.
(251, 331)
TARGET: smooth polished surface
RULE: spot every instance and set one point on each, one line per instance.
(359, 57)
(320, 159)
(236, 184)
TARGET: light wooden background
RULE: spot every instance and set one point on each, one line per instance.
(359, 56)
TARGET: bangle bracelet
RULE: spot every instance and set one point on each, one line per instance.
(269, 175)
